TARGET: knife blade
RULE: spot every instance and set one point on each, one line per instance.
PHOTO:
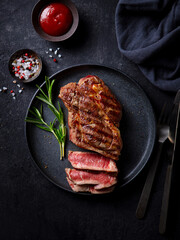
(168, 178)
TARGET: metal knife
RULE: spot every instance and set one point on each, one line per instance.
(167, 184)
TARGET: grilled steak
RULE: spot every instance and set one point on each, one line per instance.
(94, 115)
(89, 188)
(99, 179)
(91, 161)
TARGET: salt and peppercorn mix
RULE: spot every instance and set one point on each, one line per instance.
(25, 67)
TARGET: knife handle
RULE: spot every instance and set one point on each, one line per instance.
(165, 200)
(144, 199)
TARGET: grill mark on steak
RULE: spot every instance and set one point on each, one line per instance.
(99, 136)
(91, 102)
(78, 141)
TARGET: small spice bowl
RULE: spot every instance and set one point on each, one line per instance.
(36, 14)
(25, 65)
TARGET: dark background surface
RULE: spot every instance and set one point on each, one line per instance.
(31, 207)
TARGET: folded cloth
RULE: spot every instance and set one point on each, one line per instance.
(148, 33)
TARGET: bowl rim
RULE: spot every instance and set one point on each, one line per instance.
(40, 5)
(19, 52)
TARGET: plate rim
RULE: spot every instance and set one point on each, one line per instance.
(148, 154)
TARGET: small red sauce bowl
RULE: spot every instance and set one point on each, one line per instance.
(35, 20)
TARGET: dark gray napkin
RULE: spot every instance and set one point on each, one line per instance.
(148, 33)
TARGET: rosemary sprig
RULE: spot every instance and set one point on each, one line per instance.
(37, 116)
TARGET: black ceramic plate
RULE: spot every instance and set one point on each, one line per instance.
(137, 126)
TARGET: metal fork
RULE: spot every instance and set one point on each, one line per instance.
(163, 132)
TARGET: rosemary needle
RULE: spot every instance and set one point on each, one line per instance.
(37, 116)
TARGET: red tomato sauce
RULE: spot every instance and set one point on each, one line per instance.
(55, 19)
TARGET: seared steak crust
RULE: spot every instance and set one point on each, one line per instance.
(94, 116)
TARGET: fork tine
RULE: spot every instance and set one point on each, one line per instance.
(164, 115)
(177, 98)
(161, 114)
(166, 118)
(171, 113)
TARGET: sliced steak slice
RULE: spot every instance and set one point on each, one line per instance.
(78, 188)
(94, 115)
(89, 188)
(99, 179)
(103, 190)
(91, 161)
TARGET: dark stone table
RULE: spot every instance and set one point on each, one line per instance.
(31, 207)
